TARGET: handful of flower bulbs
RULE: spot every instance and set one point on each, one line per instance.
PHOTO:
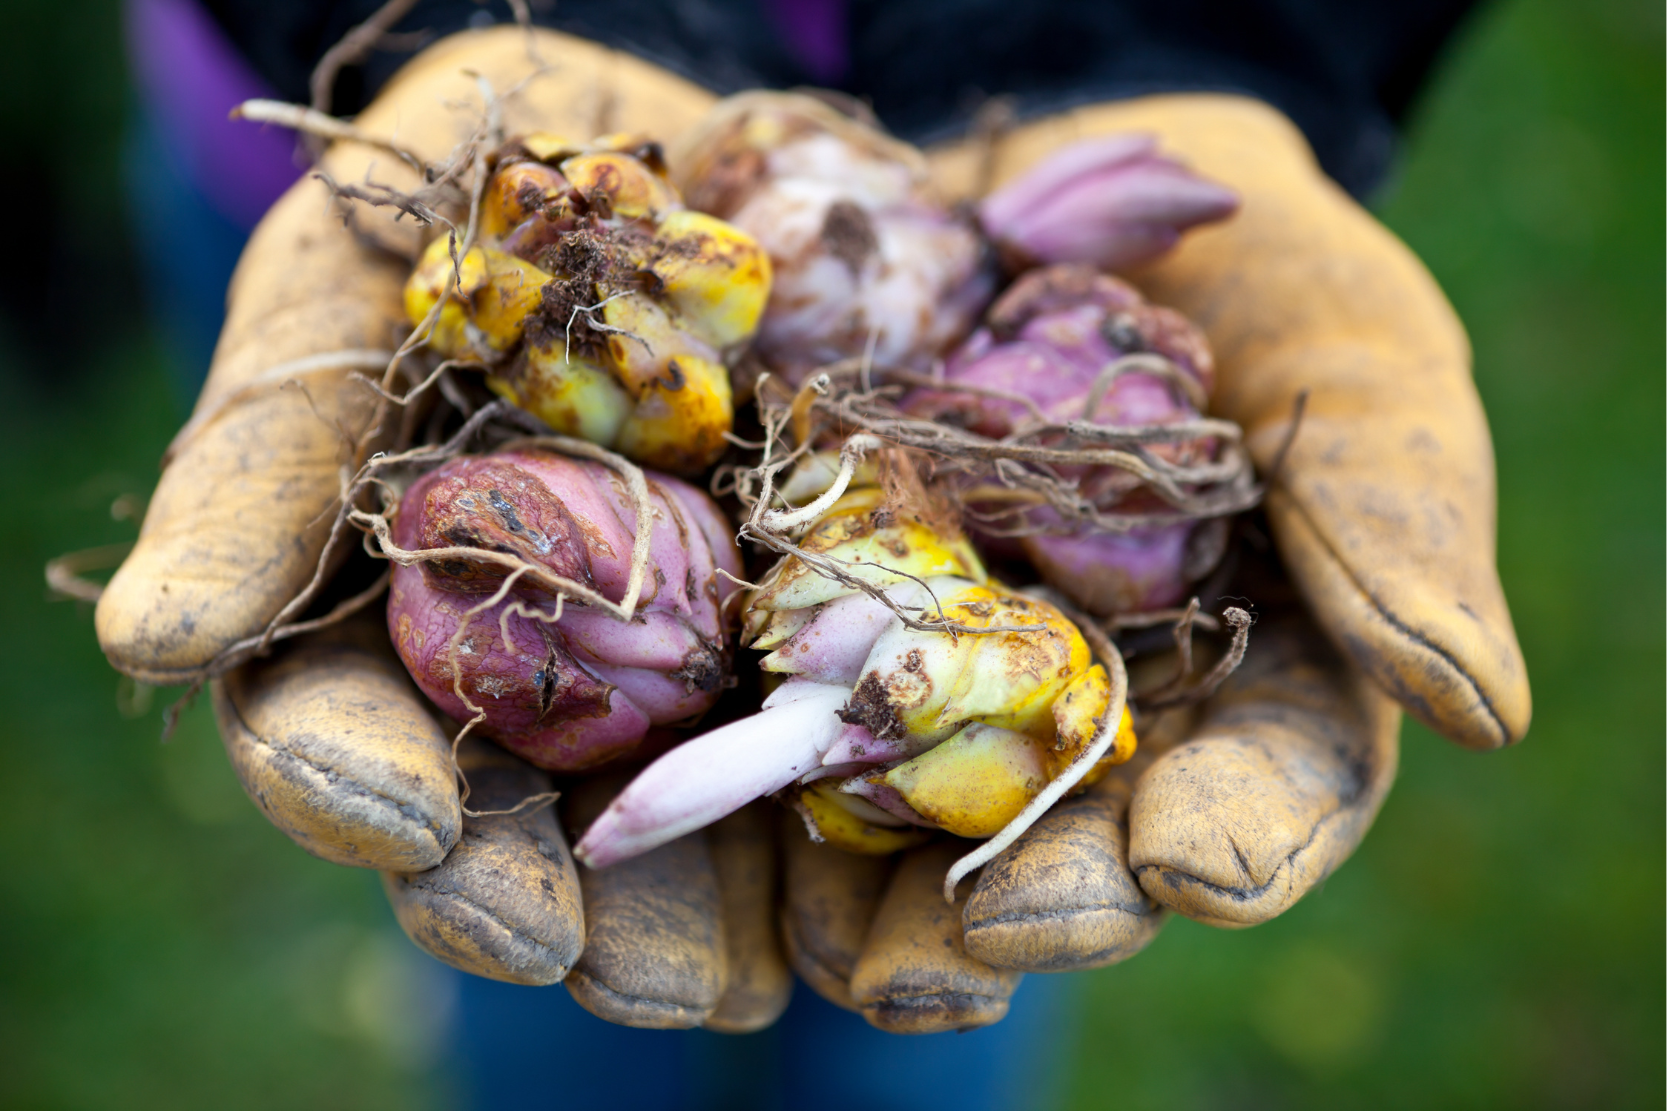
(750, 502)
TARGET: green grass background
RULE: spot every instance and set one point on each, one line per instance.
(1497, 941)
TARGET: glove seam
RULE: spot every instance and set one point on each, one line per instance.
(664, 1005)
(892, 1000)
(966, 1004)
(1249, 894)
(335, 779)
(1008, 917)
(1403, 628)
(1067, 958)
(176, 677)
(455, 895)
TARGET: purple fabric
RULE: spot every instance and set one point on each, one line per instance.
(814, 33)
(190, 77)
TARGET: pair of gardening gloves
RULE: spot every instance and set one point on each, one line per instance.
(1382, 597)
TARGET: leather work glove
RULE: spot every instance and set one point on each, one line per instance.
(327, 733)
(1383, 519)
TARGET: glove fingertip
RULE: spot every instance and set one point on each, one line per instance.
(1443, 647)
(1062, 898)
(914, 975)
(623, 1009)
(505, 902)
(339, 753)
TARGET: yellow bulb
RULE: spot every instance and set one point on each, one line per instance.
(680, 417)
(935, 682)
(647, 376)
(427, 284)
(487, 314)
(571, 394)
(1078, 714)
(836, 819)
(975, 782)
(642, 339)
(1122, 747)
(510, 289)
(874, 544)
(1079, 710)
(979, 779)
(716, 277)
(630, 189)
(1008, 702)
(514, 192)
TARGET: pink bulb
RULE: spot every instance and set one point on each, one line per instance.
(583, 689)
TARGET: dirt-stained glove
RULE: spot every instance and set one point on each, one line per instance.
(1384, 511)
(240, 516)
(1383, 590)
(1265, 787)
(1383, 516)
(328, 734)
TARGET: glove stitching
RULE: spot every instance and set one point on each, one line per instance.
(1244, 862)
(354, 787)
(176, 677)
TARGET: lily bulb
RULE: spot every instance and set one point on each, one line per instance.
(1110, 202)
(1056, 337)
(564, 685)
(867, 262)
(885, 731)
(597, 301)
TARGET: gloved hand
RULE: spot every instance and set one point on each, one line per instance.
(1231, 825)
(1383, 520)
(328, 735)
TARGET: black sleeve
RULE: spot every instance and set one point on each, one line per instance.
(1345, 70)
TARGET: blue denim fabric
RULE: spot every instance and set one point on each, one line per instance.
(532, 1048)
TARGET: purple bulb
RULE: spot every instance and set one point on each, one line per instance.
(578, 691)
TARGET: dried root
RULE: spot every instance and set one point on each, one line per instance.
(773, 528)
(1178, 691)
(65, 576)
(363, 471)
(1007, 479)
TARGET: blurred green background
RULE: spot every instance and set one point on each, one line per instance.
(1497, 941)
